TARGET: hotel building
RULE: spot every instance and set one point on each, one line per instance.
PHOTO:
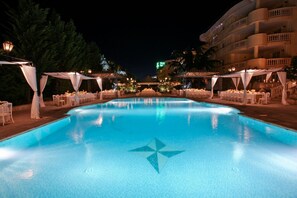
(255, 34)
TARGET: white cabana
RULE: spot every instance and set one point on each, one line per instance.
(99, 82)
(43, 81)
(105, 75)
(247, 74)
(30, 75)
(76, 79)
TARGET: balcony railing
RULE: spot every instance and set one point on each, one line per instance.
(278, 62)
(239, 23)
(259, 63)
(280, 12)
(279, 37)
(239, 44)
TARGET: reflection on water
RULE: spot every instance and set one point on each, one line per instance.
(99, 120)
(214, 121)
(148, 101)
(246, 134)
(189, 119)
(27, 174)
(238, 151)
(77, 136)
(160, 112)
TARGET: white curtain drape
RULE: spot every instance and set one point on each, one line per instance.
(268, 75)
(76, 81)
(43, 82)
(213, 82)
(30, 75)
(99, 81)
(236, 82)
(246, 78)
(283, 79)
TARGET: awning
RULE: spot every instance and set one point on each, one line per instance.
(247, 74)
(67, 75)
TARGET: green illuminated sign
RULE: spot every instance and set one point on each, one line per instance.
(160, 65)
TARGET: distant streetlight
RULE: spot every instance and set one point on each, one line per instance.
(7, 46)
(89, 71)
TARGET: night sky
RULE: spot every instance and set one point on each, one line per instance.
(136, 36)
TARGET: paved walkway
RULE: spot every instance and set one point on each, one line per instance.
(276, 113)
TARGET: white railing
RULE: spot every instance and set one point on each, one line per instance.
(274, 62)
(280, 12)
(279, 37)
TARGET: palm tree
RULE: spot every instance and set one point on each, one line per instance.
(189, 59)
(203, 60)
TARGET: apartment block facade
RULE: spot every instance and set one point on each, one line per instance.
(255, 34)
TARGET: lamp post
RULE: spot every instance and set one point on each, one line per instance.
(89, 82)
(7, 47)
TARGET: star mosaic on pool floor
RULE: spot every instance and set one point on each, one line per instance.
(156, 153)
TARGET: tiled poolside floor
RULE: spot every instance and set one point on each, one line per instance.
(283, 115)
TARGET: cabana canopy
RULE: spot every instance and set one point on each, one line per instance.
(253, 72)
(247, 74)
(67, 75)
(76, 80)
(30, 75)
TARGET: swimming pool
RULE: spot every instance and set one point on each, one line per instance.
(151, 147)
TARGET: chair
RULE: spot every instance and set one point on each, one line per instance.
(265, 98)
(6, 112)
(58, 100)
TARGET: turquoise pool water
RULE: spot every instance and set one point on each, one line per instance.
(151, 147)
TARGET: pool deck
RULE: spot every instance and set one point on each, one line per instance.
(275, 113)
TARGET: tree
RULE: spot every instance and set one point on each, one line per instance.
(31, 34)
(203, 59)
(292, 70)
(93, 57)
(196, 58)
(51, 44)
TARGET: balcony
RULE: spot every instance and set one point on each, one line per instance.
(258, 15)
(278, 62)
(280, 37)
(280, 12)
(259, 63)
(238, 45)
(257, 40)
(237, 24)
